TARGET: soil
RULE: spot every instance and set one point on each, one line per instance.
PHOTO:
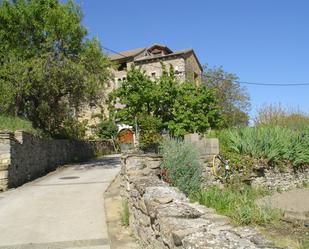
(290, 234)
(294, 203)
(120, 237)
(293, 230)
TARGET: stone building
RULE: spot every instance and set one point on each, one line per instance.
(185, 63)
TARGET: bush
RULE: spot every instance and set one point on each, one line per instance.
(238, 204)
(72, 129)
(149, 134)
(106, 130)
(181, 165)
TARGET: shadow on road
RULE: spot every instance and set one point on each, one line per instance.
(109, 162)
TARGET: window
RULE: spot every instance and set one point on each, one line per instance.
(155, 54)
(153, 74)
(122, 66)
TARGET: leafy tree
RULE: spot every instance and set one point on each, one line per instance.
(182, 108)
(137, 94)
(233, 99)
(195, 110)
(48, 67)
(166, 94)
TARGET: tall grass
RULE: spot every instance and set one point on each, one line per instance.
(274, 144)
(238, 204)
(181, 164)
(14, 123)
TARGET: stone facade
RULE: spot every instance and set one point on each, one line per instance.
(162, 217)
(205, 146)
(184, 62)
(24, 157)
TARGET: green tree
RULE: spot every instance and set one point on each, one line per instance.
(166, 94)
(48, 67)
(195, 110)
(180, 107)
(138, 96)
(233, 99)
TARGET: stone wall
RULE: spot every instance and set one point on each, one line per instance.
(270, 178)
(276, 180)
(24, 157)
(162, 217)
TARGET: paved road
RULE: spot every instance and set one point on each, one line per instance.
(63, 210)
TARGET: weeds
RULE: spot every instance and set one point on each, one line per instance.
(238, 204)
(125, 215)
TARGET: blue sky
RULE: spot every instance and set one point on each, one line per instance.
(259, 40)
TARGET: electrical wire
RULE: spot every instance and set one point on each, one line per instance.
(236, 81)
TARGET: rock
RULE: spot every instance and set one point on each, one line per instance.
(154, 193)
(174, 230)
(163, 200)
(179, 210)
(141, 183)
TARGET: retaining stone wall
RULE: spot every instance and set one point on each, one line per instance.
(24, 157)
(262, 177)
(162, 217)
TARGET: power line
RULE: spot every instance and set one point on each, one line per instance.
(236, 81)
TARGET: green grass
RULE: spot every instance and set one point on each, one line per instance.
(125, 215)
(238, 203)
(14, 123)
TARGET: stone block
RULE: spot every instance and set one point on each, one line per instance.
(3, 184)
(205, 146)
(4, 166)
(3, 174)
(212, 146)
(154, 195)
(174, 230)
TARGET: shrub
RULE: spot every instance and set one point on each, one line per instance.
(106, 129)
(181, 165)
(238, 204)
(149, 134)
(72, 129)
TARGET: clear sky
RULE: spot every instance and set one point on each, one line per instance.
(259, 40)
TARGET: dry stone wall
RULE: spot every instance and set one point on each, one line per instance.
(162, 217)
(24, 157)
(270, 178)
